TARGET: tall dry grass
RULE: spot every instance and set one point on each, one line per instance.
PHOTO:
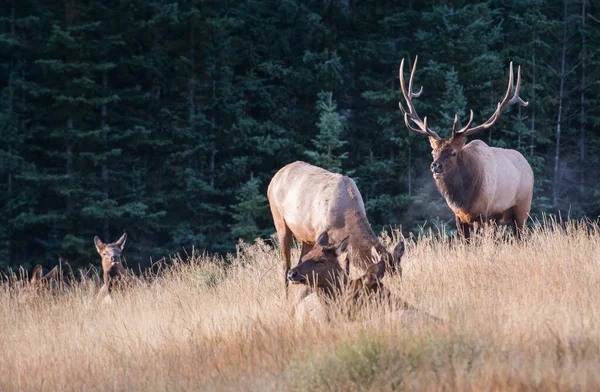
(518, 317)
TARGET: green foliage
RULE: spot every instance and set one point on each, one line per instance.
(251, 207)
(329, 140)
(150, 116)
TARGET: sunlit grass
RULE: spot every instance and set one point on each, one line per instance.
(518, 316)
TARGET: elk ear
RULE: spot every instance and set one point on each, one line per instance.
(399, 252)
(121, 242)
(99, 244)
(323, 239)
(36, 275)
(343, 246)
(459, 141)
(52, 274)
(374, 254)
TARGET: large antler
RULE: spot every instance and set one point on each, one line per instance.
(506, 102)
(411, 114)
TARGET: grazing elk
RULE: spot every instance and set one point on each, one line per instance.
(306, 201)
(112, 267)
(480, 183)
(322, 272)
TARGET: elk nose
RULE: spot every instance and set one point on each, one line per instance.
(114, 259)
(292, 275)
(436, 167)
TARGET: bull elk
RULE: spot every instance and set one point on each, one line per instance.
(480, 183)
(306, 201)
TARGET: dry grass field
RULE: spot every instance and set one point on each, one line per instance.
(517, 317)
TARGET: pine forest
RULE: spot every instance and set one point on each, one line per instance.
(167, 119)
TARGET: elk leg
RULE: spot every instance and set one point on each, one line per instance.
(509, 217)
(464, 229)
(519, 218)
(103, 292)
(476, 227)
(285, 242)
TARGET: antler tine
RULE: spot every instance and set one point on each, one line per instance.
(516, 98)
(412, 78)
(411, 113)
(466, 126)
(454, 123)
(506, 101)
(510, 83)
(415, 130)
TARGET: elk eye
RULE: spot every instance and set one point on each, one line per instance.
(319, 261)
(453, 153)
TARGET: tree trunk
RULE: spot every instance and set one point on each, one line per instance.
(212, 168)
(69, 161)
(532, 140)
(104, 168)
(582, 99)
(10, 103)
(409, 170)
(191, 89)
(556, 182)
(214, 148)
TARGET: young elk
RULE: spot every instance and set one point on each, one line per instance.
(306, 201)
(326, 280)
(39, 281)
(112, 266)
(480, 183)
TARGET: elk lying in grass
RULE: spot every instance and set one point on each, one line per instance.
(306, 201)
(112, 266)
(29, 286)
(39, 280)
(327, 283)
(480, 183)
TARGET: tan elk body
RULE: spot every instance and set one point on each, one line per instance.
(480, 183)
(306, 201)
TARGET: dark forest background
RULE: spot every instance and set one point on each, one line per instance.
(167, 119)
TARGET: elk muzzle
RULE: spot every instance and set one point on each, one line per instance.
(437, 169)
(295, 277)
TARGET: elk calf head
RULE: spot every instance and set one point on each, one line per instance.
(38, 280)
(321, 266)
(111, 256)
(370, 282)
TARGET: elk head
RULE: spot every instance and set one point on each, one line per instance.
(370, 282)
(111, 255)
(447, 152)
(38, 279)
(321, 266)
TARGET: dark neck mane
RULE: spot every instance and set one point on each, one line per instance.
(461, 187)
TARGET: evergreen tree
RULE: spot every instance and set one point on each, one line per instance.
(251, 208)
(149, 116)
(453, 101)
(329, 140)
